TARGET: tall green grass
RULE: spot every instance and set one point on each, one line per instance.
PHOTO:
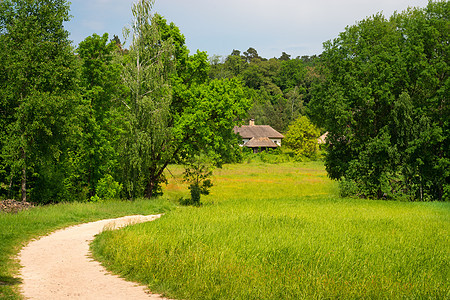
(17, 229)
(280, 231)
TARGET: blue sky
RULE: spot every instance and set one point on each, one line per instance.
(297, 27)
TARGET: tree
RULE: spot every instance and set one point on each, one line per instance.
(101, 87)
(235, 63)
(38, 96)
(284, 57)
(198, 170)
(251, 55)
(173, 110)
(291, 74)
(147, 135)
(278, 87)
(302, 137)
(383, 98)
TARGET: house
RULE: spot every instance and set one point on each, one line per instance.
(322, 139)
(258, 137)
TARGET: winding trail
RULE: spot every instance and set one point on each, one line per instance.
(59, 266)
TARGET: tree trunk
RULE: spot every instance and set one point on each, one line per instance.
(24, 178)
(10, 185)
(149, 189)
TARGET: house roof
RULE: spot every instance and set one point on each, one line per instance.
(257, 131)
(260, 142)
(322, 138)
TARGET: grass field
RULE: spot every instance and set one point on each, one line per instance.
(281, 232)
(17, 229)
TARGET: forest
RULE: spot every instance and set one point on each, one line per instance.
(104, 120)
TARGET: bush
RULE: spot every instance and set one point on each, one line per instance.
(302, 137)
(107, 188)
(198, 169)
(347, 188)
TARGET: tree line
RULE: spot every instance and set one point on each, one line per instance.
(103, 120)
(384, 98)
(380, 90)
(279, 87)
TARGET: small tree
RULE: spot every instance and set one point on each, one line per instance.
(198, 169)
(302, 137)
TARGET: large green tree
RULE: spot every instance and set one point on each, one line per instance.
(101, 87)
(38, 96)
(384, 99)
(173, 110)
(147, 70)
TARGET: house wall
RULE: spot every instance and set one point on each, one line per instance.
(244, 141)
(276, 141)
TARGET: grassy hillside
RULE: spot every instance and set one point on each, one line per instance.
(281, 232)
(17, 229)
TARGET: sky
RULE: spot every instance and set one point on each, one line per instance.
(297, 27)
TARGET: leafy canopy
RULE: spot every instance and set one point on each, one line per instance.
(384, 100)
(302, 137)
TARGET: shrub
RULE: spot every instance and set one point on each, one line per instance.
(197, 171)
(107, 188)
(302, 137)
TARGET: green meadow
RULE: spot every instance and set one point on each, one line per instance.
(280, 231)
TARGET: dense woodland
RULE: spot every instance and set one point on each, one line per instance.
(279, 87)
(105, 118)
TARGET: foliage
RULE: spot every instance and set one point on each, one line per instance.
(383, 98)
(69, 119)
(208, 119)
(101, 86)
(146, 72)
(197, 171)
(278, 88)
(39, 100)
(173, 109)
(302, 137)
(284, 233)
(269, 156)
(347, 188)
(107, 188)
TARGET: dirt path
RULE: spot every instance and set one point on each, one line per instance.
(58, 266)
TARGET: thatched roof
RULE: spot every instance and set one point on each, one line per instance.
(257, 131)
(260, 142)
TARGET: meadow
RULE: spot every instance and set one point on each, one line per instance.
(17, 229)
(280, 231)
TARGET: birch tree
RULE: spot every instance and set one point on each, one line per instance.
(146, 145)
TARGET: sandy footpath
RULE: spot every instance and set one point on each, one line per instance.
(58, 266)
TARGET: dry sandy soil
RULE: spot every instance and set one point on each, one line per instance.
(59, 266)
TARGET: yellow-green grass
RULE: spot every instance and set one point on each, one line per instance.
(281, 232)
(17, 229)
(259, 181)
